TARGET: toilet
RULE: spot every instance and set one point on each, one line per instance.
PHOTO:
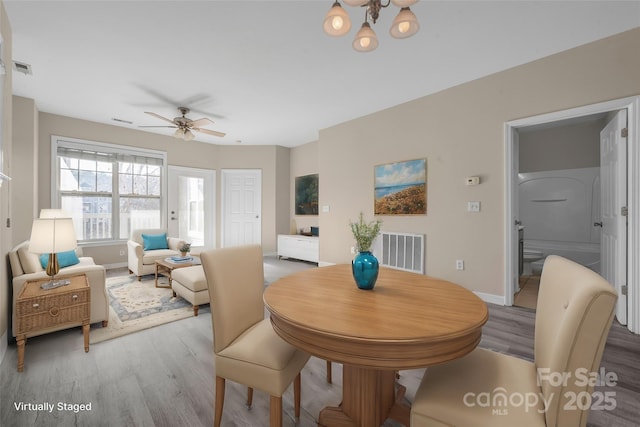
(532, 261)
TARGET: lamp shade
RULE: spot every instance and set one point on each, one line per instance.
(336, 22)
(405, 24)
(404, 3)
(366, 39)
(54, 213)
(179, 133)
(356, 2)
(188, 135)
(52, 235)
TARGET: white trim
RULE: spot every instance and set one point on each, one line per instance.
(632, 105)
(490, 298)
(325, 264)
(115, 265)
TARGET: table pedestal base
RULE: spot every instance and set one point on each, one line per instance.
(368, 399)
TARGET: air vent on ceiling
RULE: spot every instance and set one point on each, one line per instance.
(21, 67)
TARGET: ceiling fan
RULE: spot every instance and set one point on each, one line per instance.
(184, 125)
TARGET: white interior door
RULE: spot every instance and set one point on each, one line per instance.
(613, 174)
(191, 206)
(242, 207)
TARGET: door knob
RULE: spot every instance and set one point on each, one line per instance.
(597, 224)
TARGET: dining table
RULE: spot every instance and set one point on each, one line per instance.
(406, 321)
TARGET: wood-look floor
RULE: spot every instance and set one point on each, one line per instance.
(164, 376)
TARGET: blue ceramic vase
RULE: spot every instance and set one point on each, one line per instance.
(365, 270)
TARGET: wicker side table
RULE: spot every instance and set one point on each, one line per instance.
(38, 309)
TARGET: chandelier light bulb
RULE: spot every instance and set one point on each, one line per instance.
(366, 39)
(336, 22)
(405, 24)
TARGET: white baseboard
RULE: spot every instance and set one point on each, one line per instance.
(325, 264)
(115, 265)
(491, 298)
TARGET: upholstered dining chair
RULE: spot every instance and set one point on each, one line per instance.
(247, 349)
(573, 316)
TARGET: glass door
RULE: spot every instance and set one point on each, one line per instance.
(191, 206)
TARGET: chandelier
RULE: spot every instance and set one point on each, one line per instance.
(337, 22)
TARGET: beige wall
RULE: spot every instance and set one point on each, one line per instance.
(7, 188)
(565, 147)
(460, 131)
(24, 203)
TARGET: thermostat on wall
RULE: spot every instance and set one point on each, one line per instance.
(473, 180)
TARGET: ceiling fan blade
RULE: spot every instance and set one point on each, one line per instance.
(159, 116)
(158, 127)
(209, 132)
(201, 122)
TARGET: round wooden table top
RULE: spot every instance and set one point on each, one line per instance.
(407, 321)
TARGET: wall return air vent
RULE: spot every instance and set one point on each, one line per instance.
(21, 67)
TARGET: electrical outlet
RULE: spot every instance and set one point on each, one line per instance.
(459, 264)
(473, 206)
(121, 252)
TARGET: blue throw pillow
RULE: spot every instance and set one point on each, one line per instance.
(65, 259)
(154, 241)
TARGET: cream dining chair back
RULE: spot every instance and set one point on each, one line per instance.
(247, 349)
(573, 316)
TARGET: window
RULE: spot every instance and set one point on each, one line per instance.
(109, 190)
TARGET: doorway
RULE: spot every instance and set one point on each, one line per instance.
(559, 198)
(241, 207)
(191, 206)
(512, 135)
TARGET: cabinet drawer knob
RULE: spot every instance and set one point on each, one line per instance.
(36, 305)
(54, 311)
(75, 297)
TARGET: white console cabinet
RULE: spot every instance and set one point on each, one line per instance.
(306, 248)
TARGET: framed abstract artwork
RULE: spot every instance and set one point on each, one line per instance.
(307, 195)
(401, 188)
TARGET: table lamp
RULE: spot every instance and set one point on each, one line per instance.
(54, 213)
(52, 235)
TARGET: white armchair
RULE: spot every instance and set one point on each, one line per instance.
(141, 261)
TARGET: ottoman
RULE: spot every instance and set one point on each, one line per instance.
(190, 284)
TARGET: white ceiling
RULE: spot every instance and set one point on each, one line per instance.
(264, 71)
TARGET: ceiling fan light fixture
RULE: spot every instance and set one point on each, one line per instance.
(336, 22)
(366, 39)
(188, 135)
(179, 133)
(405, 24)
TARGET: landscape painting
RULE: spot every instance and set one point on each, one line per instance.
(307, 195)
(401, 188)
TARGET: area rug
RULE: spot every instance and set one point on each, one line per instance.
(136, 305)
